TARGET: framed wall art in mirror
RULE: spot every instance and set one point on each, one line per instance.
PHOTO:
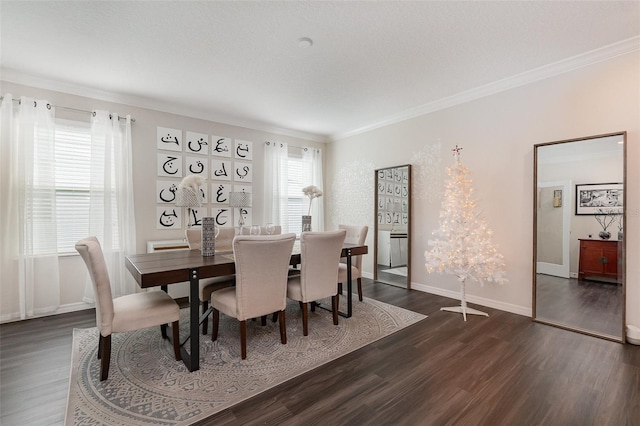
(392, 234)
(578, 265)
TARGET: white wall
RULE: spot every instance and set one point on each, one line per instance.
(497, 134)
(144, 130)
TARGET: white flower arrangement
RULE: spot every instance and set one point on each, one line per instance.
(311, 192)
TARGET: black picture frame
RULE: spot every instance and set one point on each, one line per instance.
(599, 198)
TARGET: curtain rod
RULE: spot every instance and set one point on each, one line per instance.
(133, 120)
(301, 148)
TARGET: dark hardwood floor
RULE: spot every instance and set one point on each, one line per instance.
(586, 304)
(501, 370)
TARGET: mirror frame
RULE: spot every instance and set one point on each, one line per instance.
(623, 273)
(375, 226)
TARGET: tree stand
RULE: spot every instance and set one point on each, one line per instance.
(463, 309)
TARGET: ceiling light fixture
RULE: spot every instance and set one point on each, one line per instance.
(305, 43)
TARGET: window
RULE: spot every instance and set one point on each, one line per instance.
(295, 197)
(72, 171)
(72, 174)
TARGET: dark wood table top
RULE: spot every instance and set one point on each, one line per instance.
(168, 267)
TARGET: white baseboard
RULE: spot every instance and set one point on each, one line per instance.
(482, 301)
(63, 309)
(573, 274)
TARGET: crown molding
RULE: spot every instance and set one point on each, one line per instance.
(594, 56)
(18, 77)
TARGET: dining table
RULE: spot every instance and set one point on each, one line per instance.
(163, 268)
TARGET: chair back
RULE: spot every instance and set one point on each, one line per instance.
(194, 238)
(262, 265)
(356, 234)
(320, 253)
(277, 230)
(91, 252)
(224, 242)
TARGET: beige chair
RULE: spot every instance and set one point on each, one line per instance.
(209, 285)
(277, 230)
(262, 262)
(355, 235)
(319, 252)
(125, 313)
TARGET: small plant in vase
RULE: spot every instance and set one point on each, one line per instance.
(605, 218)
(310, 192)
(620, 227)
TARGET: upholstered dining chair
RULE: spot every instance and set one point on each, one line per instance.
(125, 313)
(209, 285)
(262, 262)
(355, 235)
(277, 230)
(319, 253)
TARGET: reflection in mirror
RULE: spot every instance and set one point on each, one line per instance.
(579, 254)
(392, 236)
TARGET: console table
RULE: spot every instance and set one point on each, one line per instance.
(599, 260)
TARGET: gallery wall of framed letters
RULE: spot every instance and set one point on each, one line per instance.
(226, 164)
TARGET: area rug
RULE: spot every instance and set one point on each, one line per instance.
(147, 386)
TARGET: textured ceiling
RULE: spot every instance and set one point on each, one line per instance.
(239, 62)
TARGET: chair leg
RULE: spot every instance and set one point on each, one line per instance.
(305, 319)
(175, 328)
(334, 309)
(274, 317)
(99, 345)
(360, 289)
(340, 288)
(205, 324)
(105, 356)
(263, 320)
(163, 330)
(313, 306)
(216, 322)
(243, 339)
(283, 327)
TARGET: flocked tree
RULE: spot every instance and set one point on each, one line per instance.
(464, 246)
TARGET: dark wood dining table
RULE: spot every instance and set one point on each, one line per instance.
(163, 268)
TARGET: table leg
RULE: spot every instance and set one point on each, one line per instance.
(192, 360)
(349, 286)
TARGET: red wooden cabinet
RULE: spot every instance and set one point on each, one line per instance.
(599, 260)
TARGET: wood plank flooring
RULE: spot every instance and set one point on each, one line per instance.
(501, 370)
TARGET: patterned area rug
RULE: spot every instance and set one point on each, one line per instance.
(146, 385)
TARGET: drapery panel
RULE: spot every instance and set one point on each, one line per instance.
(275, 181)
(312, 167)
(111, 212)
(28, 232)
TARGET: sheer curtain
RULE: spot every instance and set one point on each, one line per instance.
(28, 234)
(111, 213)
(275, 180)
(312, 159)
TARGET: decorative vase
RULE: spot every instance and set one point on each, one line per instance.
(208, 246)
(605, 235)
(306, 223)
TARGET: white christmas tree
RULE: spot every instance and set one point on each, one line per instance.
(465, 249)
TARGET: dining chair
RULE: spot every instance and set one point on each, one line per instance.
(319, 253)
(125, 313)
(277, 230)
(262, 262)
(206, 286)
(355, 235)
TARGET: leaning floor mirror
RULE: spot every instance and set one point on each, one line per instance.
(392, 234)
(578, 228)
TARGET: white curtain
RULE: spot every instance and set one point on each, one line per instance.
(111, 211)
(28, 230)
(312, 158)
(275, 178)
